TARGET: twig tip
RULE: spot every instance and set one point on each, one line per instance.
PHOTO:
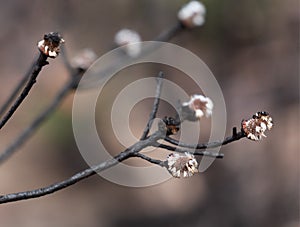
(49, 45)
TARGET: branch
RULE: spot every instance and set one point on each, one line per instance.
(170, 32)
(155, 105)
(38, 120)
(15, 92)
(234, 137)
(151, 160)
(58, 186)
(199, 153)
(130, 152)
(52, 40)
(38, 65)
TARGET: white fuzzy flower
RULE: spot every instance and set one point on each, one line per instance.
(131, 41)
(192, 14)
(182, 165)
(255, 127)
(201, 105)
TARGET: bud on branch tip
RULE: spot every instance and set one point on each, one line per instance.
(50, 44)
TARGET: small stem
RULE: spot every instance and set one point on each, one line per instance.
(40, 63)
(234, 132)
(151, 160)
(180, 150)
(155, 105)
(170, 32)
(229, 139)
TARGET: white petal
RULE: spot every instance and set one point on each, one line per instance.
(133, 50)
(198, 20)
(190, 9)
(185, 174)
(52, 53)
(199, 113)
(263, 126)
(41, 43)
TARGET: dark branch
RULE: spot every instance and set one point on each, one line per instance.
(38, 121)
(151, 160)
(17, 89)
(130, 152)
(234, 137)
(58, 186)
(38, 65)
(199, 153)
(170, 33)
(155, 105)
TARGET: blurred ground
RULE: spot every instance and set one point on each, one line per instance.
(252, 48)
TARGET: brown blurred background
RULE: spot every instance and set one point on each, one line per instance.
(251, 46)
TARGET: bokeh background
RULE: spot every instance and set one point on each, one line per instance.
(251, 46)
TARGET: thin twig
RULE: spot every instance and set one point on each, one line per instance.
(230, 139)
(25, 135)
(41, 61)
(85, 173)
(17, 89)
(151, 160)
(61, 185)
(170, 32)
(180, 150)
(155, 105)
